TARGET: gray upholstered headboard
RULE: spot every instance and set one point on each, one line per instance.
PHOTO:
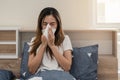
(79, 38)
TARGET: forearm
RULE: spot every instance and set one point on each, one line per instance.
(62, 60)
(35, 62)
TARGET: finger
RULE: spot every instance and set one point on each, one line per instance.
(43, 38)
(50, 30)
(49, 36)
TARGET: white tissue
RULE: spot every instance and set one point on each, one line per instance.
(45, 31)
(36, 78)
(53, 30)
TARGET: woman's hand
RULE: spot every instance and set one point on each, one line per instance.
(51, 38)
(44, 40)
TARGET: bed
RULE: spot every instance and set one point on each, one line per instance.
(107, 51)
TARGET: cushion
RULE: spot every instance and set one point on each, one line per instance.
(84, 63)
(6, 75)
(24, 73)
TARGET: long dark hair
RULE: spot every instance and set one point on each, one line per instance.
(59, 35)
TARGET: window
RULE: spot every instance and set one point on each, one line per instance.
(108, 11)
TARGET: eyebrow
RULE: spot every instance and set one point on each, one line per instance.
(49, 23)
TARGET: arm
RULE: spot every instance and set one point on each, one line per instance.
(64, 60)
(35, 61)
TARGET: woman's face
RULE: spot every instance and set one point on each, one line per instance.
(49, 20)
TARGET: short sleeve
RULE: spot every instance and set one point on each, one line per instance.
(67, 43)
(30, 43)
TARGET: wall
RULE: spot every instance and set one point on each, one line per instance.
(24, 13)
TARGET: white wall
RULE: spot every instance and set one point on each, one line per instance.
(24, 13)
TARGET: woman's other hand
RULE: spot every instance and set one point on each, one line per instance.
(51, 38)
(44, 40)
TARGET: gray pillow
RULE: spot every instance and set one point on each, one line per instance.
(24, 73)
(84, 65)
(6, 75)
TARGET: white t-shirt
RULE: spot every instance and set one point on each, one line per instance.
(52, 64)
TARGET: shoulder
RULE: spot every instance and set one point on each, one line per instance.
(67, 43)
(66, 38)
(33, 38)
(31, 42)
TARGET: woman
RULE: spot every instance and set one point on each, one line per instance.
(52, 52)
